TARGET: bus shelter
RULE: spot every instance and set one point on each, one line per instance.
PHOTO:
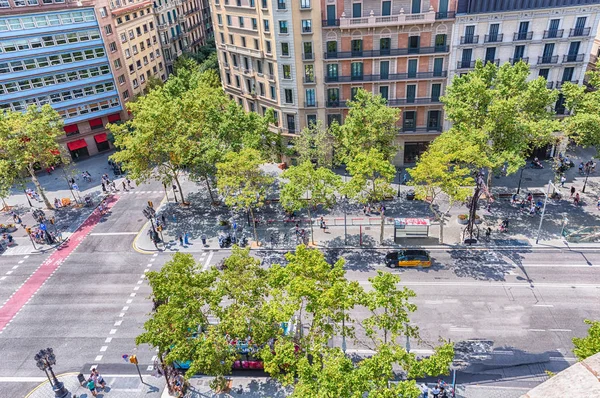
(411, 228)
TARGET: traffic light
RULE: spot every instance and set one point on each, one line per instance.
(28, 230)
(150, 204)
(133, 359)
(52, 221)
(159, 228)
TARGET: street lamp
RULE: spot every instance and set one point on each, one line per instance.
(520, 178)
(550, 184)
(399, 170)
(589, 168)
(44, 360)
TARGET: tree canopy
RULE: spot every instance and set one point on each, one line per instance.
(590, 344)
(583, 126)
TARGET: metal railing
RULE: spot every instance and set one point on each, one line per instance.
(515, 60)
(497, 38)
(385, 52)
(573, 58)
(445, 15)
(389, 76)
(548, 59)
(420, 129)
(553, 34)
(330, 23)
(465, 64)
(522, 36)
(469, 39)
(311, 104)
(579, 32)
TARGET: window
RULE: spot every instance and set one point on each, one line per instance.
(544, 73)
(228, 77)
(135, 49)
(356, 46)
(138, 30)
(356, 10)
(568, 74)
(228, 20)
(433, 120)
(121, 79)
(386, 8)
(261, 89)
(413, 44)
(131, 68)
(123, 38)
(332, 72)
(353, 92)
(259, 67)
(264, 4)
(231, 41)
(440, 42)
(127, 53)
(281, 4)
(237, 81)
(268, 46)
(131, 34)
(305, 4)
(287, 71)
(108, 29)
(309, 73)
(273, 93)
(490, 54)
(243, 42)
(283, 27)
(138, 63)
(291, 123)
(356, 69)
(332, 46)
(142, 46)
(270, 64)
(409, 121)
(235, 60)
(135, 83)
(519, 52)
(241, 21)
(142, 78)
(117, 63)
(307, 50)
(222, 36)
(385, 45)
(384, 91)
(254, 24)
(384, 70)
(126, 94)
(306, 26)
(219, 19)
(266, 25)
(285, 49)
(103, 12)
(113, 47)
(310, 97)
(436, 89)
(256, 44)
(289, 96)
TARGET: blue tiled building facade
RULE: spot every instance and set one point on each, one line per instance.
(58, 57)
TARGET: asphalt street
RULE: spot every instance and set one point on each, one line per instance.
(521, 302)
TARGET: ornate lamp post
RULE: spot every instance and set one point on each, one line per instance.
(44, 360)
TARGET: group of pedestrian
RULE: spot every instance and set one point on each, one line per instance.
(301, 234)
(587, 167)
(32, 194)
(575, 196)
(368, 209)
(440, 390)
(95, 382)
(103, 207)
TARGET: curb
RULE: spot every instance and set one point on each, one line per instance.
(48, 382)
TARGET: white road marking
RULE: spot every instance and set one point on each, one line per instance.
(103, 348)
(112, 331)
(26, 257)
(136, 288)
(118, 323)
(98, 358)
(21, 261)
(15, 267)
(140, 282)
(8, 272)
(22, 379)
(3, 278)
(121, 315)
(559, 330)
(94, 366)
(125, 308)
(129, 301)
(155, 254)
(112, 233)
(461, 330)
(108, 340)
(537, 330)
(543, 305)
(210, 256)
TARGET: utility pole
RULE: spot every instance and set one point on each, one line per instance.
(550, 184)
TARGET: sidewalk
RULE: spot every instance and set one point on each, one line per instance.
(117, 386)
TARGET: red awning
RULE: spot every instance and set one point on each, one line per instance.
(114, 118)
(55, 152)
(100, 138)
(75, 145)
(71, 128)
(96, 122)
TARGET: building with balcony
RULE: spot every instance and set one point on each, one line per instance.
(198, 23)
(52, 52)
(558, 39)
(306, 59)
(174, 38)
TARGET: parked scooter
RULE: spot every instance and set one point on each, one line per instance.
(224, 240)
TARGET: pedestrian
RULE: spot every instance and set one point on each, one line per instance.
(36, 196)
(180, 240)
(488, 232)
(174, 218)
(563, 179)
(436, 392)
(57, 203)
(186, 238)
(572, 191)
(129, 184)
(576, 200)
(425, 390)
(92, 387)
(598, 205)
(124, 186)
(529, 197)
(513, 199)
(101, 209)
(99, 380)
(103, 187)
(581, 168)
(75, 187)
(16, 218)
(365, 210)
(163, 219)
(203, 237)
(322, 223)
(532, 210)
(522, 205)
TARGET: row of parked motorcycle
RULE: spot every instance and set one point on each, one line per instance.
(229, 239)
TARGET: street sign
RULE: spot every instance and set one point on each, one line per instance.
(42, 226)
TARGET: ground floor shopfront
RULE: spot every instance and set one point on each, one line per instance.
(88, 138)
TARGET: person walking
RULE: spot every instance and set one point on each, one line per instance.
(576, 200)
(163, 219)
(186, 238)
(98, 379)
(180, 240)
(124, 186)
(598, 205)
(129, 184)
(563, 179)
(103, 187)
(92, 387)
(572, 191)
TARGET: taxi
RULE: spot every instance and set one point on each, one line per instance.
(408, 258)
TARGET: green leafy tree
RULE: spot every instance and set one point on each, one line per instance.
(210, 63)
(370, 124)
(241, 181)
(8, 177)
(500, 114)
(439, 180)
(154, 82)
(589, 345)
(308, 187)
(372, 175)
(583, 125)
(315, 143)
(28, 140)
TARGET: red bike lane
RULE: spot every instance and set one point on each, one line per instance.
(22, 296)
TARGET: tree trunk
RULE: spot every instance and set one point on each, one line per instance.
(382, 227)
(312, 233)
(212, 199)
(5, 207)
(39, 187)
(442, 230)
(169, 388)
(254, 226)
(179, 186)
(489, 182)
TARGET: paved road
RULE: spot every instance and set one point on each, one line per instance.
(95, 303)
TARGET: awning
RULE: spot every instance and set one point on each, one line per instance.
(114, 118)
(71, 128)
(96, 122)
(75, 145)
(100, 138)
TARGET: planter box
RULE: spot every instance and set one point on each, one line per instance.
(462, 221)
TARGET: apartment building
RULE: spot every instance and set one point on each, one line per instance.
(306, 59)
(557, 38)
(52, 52)
(198, 23)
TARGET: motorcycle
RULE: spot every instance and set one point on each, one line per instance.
(88, 201)
(224, 241)
(504, 226)
(243, 241)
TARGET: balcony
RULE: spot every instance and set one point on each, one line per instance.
(390, 76)
(554, 34)
(333, 103)
(559, 84)
(515, 60)
(181, 18)
(497, 38)
(311, 104)
(308, 56)
(330, 23)
(549, 85)
(469, 39)
(493, 61)
(548, 59)
(373, 21)
(309, 80)
(244, 51)
(162, 27)
(385, 52)
(420, 130)
(247, 71)
(573, 58)
(445, 15)
(465, 64)
(593, 59)
(413, 101)
(579, 32)
(522, 36)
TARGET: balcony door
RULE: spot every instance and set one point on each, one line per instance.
(580, 25)
(574, 49)
(356, 10)
(332, 72)
(490, 54)
(331, 17)
(414, 44)
(438, 67)
(386, 8)
(568, 74)
(411, 91)
(467, 53)
(443, 8)
(291, 123)
(384, 91)
(409, 121)
(384, 70)
(385, 44)
(412, 67)
(548, 51)
(416, 6)
(356, 47)
(553, 28)
(493, 33)
(436, 90)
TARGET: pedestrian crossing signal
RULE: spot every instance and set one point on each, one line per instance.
(133, 359)
(28, 230)
(159, 228)
(150, 204)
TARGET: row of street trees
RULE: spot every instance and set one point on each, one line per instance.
(247, 301)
